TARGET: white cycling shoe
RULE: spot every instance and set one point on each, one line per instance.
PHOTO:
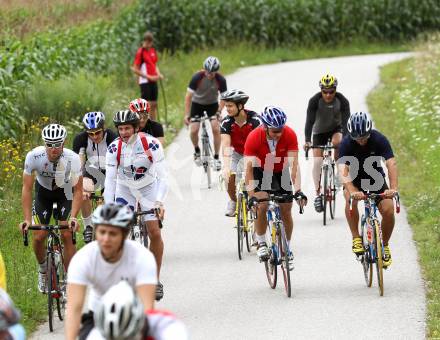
(230, 209)
(263, 252)
(217, 165)
(42, 282)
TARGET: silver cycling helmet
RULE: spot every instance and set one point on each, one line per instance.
(120, 314)
(54, 133)
(235, 96)
(113, 214)
(211, 64)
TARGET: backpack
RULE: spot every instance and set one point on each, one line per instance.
(144, 144)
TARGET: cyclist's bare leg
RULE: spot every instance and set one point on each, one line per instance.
(386, 209)
(231, 188)
(336, 140)
(153, 110)
(86, 207)
(194, 133)
(261, 221)
(156, 242)
(39, 244)
(316, 172)
(215, 125)
(286, 217)
(69, 247)
(352, 216)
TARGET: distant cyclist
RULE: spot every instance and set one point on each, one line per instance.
(10, 328)
(203, 95)
(146, 124)
(361, 154)
(58, 180)
(91, 145)
(327, 115)
(234, 129)
(120, 315)
(137, 173)
(271, 164)
(103, 263)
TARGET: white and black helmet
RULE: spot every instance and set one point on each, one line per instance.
(235, 96)
(54, 133)
(120, 314)
(113, 214)
(211, 64)
(125, 117)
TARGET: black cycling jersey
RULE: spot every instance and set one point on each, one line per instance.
(323, 117)
(153, 128)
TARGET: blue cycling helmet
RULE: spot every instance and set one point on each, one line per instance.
(273, 117)
(93, 120)
(359, 125)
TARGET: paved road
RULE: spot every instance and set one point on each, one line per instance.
(220, 297)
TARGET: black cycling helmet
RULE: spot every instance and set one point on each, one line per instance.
(235, 96)
(126, 117)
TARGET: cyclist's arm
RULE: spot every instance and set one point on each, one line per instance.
(188, 99)
(77, 197)
(146, 293)
(249, 162)
(345, 112)
(295, 173)
(392, 172)
(76, 294)
(26, 196)
(310, 119)
(344, 176)
(227, 150)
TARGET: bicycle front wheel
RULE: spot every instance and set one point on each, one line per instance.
(366, 261)
(239, 220)
(50, 279)
(206, 160)
(284, 256)
(379, 253)
(324, 198)
(61, 287)
(332, 192)
(143, 233)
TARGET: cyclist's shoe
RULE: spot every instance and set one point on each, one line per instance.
(88, 234)
(263, 252)
(42, 282)
(217, 165)
(291, 265)
(387, 257)
(159, 291)
(197, 159)
(318, 204)
(358, 247)
(230, 209)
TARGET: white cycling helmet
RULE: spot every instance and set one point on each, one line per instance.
(54, 133)
(120, 314)
(113, 214)
(211, 64)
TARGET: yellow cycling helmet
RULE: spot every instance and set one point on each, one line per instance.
(328, 81)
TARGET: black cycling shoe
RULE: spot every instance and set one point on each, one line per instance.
(159, 291)
(318, 204)
(88, 234)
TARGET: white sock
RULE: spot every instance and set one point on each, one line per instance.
(260, 238)
(87, 220)
(43, 267)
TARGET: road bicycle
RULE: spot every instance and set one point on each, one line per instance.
(243, 218)
(327, 180)
(97, 200)
(207, 156)
(278, 251)
(138, 230)
(56, 275)
(371, 234)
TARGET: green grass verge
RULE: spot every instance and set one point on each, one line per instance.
(406, 106)
(118, 90)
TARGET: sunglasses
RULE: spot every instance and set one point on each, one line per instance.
(328, 91)
(54, 145)
(94, 133)
(278, 131)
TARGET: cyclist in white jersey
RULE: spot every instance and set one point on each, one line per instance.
(91, 145)
(120, 315)
(58, 180)
(136, 172)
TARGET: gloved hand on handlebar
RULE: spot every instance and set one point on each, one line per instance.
(301, 198)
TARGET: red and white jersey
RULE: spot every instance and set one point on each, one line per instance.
(146, 60)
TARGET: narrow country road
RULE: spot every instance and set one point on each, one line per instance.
(220, 297)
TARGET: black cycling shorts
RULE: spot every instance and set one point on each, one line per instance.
(44, 200)
(273, 182)
(322, 138)
(149, 91)
(197, 110)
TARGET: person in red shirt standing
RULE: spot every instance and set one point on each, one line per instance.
(271, 163)
(145, 66)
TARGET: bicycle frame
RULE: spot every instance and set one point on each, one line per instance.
(206, 155)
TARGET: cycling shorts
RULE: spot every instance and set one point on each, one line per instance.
(149, 91)
(43, 204)
(273, 182)
(146, 197)
(322, 138)
(237, 162)
(197, 110)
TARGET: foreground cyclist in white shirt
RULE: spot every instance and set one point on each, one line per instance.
(136, 172)
(120, 315)
(105, 262)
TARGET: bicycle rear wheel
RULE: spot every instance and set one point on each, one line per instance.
(143, 232)
(206, 159)
(379, 253)
(325, 191)
(239, 220)
(61, 288)
(284, 256)
(367, 263)
(332, 192)
(271, 268)
(50, 279)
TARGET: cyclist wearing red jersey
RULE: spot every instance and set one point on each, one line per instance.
(120, 315)
(271, 165)
(234, 129)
